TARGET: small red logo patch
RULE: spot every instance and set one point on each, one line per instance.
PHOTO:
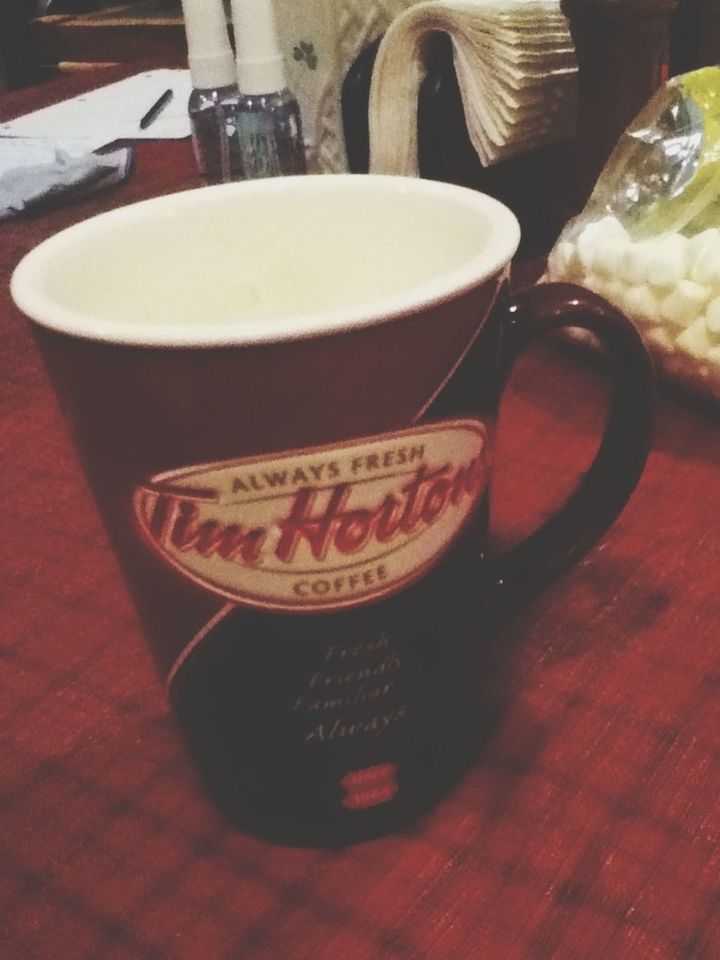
(370, 786)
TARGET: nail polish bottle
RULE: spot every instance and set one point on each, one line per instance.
(213, 101)
(267, 120)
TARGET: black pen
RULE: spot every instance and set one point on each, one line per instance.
(156, 108)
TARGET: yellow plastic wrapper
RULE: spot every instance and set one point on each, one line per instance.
(648, 239)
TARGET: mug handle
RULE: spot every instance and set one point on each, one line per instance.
(620, 459)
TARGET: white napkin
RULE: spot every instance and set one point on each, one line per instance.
(516, 69)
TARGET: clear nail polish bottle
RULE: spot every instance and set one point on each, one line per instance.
(214, 98)
(267, 119)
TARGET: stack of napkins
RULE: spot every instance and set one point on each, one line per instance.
(516, 68)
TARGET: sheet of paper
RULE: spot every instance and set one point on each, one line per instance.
(112, 112)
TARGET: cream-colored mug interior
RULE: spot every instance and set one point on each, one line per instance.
(265, 260)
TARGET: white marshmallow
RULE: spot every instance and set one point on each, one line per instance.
(608, 226)
(634, 263)
(614, 291)
(712, 316)
(586, 250)
(666, 265)
(564, 262)
(676, 242)
(705, 266)
(595, 283)
(694, 340)
(684, 304)
(661, 338)
(713, 354)
(587, 242)
(696, 293)
(608, 255)
(641, 304)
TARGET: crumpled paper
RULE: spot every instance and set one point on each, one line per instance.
(25, 189)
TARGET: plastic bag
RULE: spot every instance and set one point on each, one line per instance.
(648, 239)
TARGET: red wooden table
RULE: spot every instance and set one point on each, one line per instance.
(589, 827)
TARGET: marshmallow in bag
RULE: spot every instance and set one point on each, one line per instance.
(649, 238)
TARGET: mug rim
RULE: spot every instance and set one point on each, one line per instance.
(43, 309)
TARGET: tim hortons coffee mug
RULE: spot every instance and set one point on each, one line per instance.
(284, 394)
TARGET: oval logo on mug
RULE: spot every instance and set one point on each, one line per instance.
(320, 528)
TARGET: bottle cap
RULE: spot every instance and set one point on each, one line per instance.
(210, 55)
(260, 65)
